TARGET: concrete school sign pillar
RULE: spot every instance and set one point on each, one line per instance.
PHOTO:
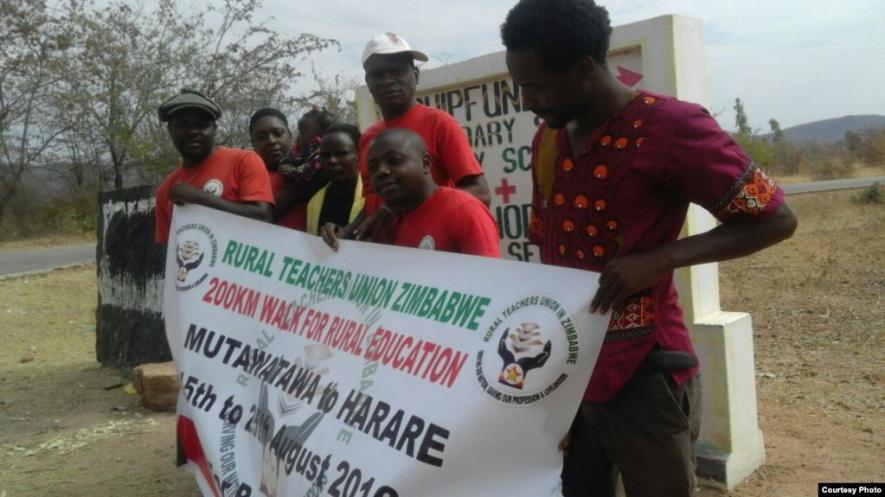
(664, 54)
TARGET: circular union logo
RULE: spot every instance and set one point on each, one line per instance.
(196, 251)
(427, 243)
(531, 348)
(214, 187)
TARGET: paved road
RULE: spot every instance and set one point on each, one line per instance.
(836, 184)
(36, 260)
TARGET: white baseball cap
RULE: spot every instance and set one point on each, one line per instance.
(388, 44)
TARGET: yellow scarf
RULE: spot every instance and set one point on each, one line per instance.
(545, 164)
(315, 206)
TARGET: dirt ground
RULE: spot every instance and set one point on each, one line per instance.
(819, 333)
(68, 428)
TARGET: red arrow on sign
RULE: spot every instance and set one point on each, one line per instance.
(627, 76)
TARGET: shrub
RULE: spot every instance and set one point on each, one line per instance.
(76, 214)
(822, 167)
(871, 195)
(32, 214)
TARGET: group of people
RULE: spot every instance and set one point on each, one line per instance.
(410, 180)
(613, 168)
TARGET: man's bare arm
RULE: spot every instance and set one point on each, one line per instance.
(283, 200)
(294, 192)
(477, 186)
(186, 194)
(624, 276)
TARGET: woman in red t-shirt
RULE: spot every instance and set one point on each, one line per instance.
(292, 161)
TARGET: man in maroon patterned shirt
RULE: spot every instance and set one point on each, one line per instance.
(614, 171)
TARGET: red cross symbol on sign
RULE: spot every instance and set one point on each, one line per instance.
(505, 190)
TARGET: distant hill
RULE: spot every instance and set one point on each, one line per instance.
(832, 130)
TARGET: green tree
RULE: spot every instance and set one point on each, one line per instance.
(855, 145)
(128, 60)
(786, 157)
(335, 94)
(758, 148)
(777, 134)
(32, 45)
(874, 147)
(760, 151)
(118, 70)
(740, 118)
(250, 66)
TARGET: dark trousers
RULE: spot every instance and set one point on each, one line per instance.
(647, 432)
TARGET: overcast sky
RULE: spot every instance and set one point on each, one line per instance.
(793, 60)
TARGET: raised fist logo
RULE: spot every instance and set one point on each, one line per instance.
(522, 351)
(189, 256)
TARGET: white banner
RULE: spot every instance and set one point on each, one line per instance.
(376, 371)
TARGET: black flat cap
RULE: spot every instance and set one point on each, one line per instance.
(189, 99)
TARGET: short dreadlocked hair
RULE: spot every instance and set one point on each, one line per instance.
(562, 31)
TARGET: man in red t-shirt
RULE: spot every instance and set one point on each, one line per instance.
(614, 171)
(423, 214)
(227, 179)
(391, 77)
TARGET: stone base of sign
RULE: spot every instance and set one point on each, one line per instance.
(731, 446)
(730, 469)
(158, 385)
